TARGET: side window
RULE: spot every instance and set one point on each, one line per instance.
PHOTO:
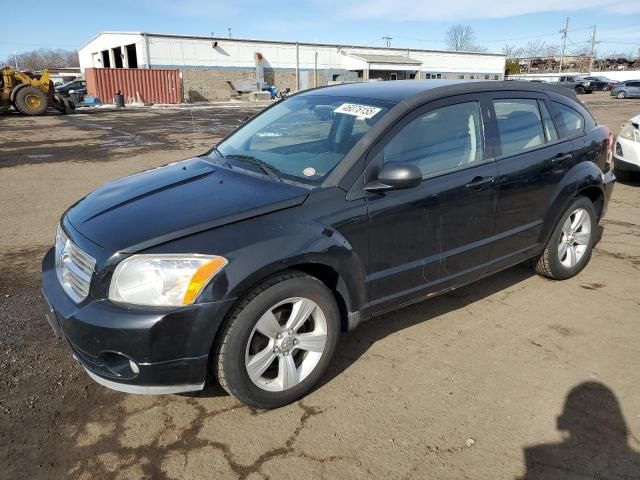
(633, 84)
(440, 140)
(570, 122)
(549, 127)
(519, 124)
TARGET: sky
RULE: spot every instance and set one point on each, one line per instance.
(410, 23)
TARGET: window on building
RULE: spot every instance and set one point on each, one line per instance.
(461, 77)
(439, 75)
(132, 55)
(106, 61)
(486, 77)
(335, 77)
(441, 140)
(519, 124)
(496, 77)
(117, 57)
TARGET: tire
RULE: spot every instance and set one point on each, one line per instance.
(580, 90)
(31, 100)
(241, 343)
(552, 263)
(621, 94)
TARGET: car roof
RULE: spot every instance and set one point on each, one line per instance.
(397, 91)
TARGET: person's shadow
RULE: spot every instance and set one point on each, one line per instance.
(596, 444)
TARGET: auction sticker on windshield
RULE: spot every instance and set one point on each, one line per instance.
(362, 111)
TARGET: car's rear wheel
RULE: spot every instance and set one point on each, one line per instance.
(278, 341)
(571, 243)
(621, 94)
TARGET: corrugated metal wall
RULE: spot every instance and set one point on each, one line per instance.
(156, 86)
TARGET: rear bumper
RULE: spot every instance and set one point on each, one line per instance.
(135, 349)
(608, 181)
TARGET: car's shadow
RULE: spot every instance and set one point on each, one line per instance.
(355, 343)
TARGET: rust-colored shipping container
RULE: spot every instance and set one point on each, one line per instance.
(148, 85)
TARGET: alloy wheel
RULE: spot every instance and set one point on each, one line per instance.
(575, 237)
(286, 344)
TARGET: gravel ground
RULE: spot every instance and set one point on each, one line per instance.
(512, 377)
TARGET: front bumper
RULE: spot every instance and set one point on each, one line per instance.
(629, 161)
(135, 349)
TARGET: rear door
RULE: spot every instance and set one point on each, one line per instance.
(633, 89)
(436, 234)
(532, 158)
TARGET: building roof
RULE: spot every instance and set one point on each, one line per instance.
(400, 51)
(389, 59)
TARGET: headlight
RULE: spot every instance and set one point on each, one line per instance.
(163, 280)
(630, 133)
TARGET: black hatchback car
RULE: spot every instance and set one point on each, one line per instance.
(329, 208)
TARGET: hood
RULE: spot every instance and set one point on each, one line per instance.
(166, 203)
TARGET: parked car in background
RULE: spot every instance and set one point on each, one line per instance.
(601, 83)
(626, 155)
(579, 84)
(626, 89)
(78, 86)
(330, 207)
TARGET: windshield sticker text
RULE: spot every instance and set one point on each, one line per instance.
(362, 111)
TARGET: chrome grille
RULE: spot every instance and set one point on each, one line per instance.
(74, 267)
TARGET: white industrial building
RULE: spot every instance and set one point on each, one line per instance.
(207, 64)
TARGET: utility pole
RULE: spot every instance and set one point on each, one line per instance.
(593, 48)
(15, 59)
(564, 42)
(229, 32)
(387, 41)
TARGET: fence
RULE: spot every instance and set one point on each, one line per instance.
(145, 85)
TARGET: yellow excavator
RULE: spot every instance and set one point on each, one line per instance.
(30, 94)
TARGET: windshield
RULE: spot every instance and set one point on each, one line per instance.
(303, 138)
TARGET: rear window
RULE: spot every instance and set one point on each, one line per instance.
(570, 121)
(519, 124)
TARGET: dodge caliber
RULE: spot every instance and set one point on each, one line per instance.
(244, 265)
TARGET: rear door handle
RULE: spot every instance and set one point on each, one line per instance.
(560, 158)
(479, 183)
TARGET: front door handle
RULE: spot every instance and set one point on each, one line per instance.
(479, 183)
(561, 159)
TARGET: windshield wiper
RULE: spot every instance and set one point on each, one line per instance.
(267, 168)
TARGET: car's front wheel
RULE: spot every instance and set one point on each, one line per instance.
(571, 243)
(621, 94)
(278, 341)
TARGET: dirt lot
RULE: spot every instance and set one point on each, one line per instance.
(512, 376)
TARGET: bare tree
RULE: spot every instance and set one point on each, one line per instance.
(45, 58)
(511, 51)
(462, 38)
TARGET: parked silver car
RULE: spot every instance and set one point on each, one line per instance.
(629, 88)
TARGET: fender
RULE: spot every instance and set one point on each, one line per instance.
(253, 256)
(323, 247)
(15, 90)
(580, 177)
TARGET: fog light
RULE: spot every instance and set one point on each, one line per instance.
(619, 149)
(134, 366)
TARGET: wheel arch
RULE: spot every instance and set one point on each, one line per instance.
(16, 89)
(584, 179)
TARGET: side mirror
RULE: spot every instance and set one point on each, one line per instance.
(396, 176)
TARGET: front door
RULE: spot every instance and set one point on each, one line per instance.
(438, 233)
